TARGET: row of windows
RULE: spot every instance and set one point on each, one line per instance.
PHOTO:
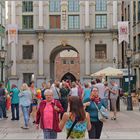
(73, 5)
(73, 21)
(100, 52)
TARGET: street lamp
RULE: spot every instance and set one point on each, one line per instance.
(129, 98)
(3, 54)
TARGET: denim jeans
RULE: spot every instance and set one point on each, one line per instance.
(49, 134)
(1, 112)
(3, 109)
(13, 108)
(25, 110)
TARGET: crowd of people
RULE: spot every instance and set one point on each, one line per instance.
(60, 105)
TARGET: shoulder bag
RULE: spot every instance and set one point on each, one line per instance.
(102, 113)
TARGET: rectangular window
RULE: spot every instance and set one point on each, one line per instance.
(101, 21)
(28, 51)
(139, 11)
(134, 44)
(27, 6)
(72, 62)
(139, 42)
(73, 5)
(55, 5)
(128, 12)
(134, 12)
(101, 5)
(55, 22)
(64, 62)
(74, 22)
(100, 51)
(27, 22)
(27, 78)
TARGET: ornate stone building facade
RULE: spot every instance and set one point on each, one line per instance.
(131, 13)
(46, 28)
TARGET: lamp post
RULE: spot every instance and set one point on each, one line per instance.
(129, 98)
(3, 54)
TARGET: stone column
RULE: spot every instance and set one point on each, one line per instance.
(40, 50)
(115, 40)
(86, 13)
(87, 54)
(40, 13)
(115, 16)
(13, 45)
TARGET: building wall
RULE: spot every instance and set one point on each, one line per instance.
(134, 19)
(54, 38)
(2, 27)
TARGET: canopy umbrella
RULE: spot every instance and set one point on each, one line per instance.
(109, 71)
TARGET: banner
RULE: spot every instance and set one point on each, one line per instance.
(123, 29)
(12, 33)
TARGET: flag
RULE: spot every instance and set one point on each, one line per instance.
(123, 30)
(12, 33)
(8, 86)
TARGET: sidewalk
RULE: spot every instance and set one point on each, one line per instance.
(127, 126)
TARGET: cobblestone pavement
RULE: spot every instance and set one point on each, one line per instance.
(127, 126)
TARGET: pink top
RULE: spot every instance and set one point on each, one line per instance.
(48, 116)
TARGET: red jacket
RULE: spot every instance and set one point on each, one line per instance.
(40, 114)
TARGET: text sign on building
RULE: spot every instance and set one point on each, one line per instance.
(125, 72)
(123, 30)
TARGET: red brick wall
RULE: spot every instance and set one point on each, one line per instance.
(61, 69)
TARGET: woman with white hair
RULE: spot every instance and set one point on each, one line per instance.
(25, 98)
(48, 115)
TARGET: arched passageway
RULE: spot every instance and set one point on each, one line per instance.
(68, 67)
(69, 76)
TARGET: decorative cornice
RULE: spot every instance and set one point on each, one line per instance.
(26, 61)
(59, 31)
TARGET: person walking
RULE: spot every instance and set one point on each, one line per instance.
(14, 92)
(3, 94)
(48, 115)
(114, 93)
(77, 116)
(64, 92)
(25, 98)
(34, 104)
(96, 124)
(87, 91)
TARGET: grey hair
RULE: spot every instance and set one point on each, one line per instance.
(48, 91)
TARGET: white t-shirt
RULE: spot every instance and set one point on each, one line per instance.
(101, 89)
(74, 91)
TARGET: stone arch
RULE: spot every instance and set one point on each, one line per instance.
(68, 76)
(53, 55)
